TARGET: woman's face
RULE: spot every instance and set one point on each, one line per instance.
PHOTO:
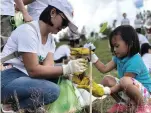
(59, 22)
(120, 47)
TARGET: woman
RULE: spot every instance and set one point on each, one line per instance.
(28, 78)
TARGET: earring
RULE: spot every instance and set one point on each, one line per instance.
(51, 16)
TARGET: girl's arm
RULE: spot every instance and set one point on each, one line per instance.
(105, 68)
(21, 7)
(26, 2)
(129, 75)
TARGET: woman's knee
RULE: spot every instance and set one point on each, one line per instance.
(108, 80)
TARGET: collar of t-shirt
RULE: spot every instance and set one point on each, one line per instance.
(124, 60)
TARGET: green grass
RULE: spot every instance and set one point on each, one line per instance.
(104, 54)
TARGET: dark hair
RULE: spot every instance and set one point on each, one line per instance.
(144, 48)
(45, 15)
(72, 43)
(138, 30)
(129, 36)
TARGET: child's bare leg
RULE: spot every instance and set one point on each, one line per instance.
(126, 84)
(110, 82)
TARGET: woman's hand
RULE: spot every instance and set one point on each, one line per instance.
(75, 66)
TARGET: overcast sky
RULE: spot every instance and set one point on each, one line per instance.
(93, 12)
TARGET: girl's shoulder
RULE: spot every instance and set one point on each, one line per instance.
(28, 26)
(135, 59)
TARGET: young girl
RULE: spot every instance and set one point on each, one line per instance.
(134, 80)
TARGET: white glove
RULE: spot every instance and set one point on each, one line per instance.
(107, 90)
(74, 66)
(94, 58)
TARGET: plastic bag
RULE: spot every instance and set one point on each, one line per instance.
(67, 101)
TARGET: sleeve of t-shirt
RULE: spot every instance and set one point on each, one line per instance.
(114, 59)
(68, 52)
(27, 40)
(134, 66)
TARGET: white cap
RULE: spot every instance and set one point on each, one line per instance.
(89, 45)
(65, 7)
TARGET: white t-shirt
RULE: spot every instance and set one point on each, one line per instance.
(25, 39)
(125, 21)
(36, 7)
(63, 50)
(142, 39)
(83, 31)
(7, 7)
(138, 23)
(147, 60)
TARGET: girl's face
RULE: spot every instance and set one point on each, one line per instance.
(120, 47)
(59, 22)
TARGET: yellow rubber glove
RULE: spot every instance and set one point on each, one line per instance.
(97, 90)
(80, 51)
(76, 79)
(84, 52)
(85, 81)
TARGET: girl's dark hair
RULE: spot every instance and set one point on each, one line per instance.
(45, 16)
(129, 36)
(144, 48)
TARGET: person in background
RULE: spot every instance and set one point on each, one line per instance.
(147, 26)
(141, 37)
(138, 22)
(7, 12)
(34, 71)
(62, 53)
(114, 24)
(35, 7)
(83, 34)
(146, 55)
(125, 20)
